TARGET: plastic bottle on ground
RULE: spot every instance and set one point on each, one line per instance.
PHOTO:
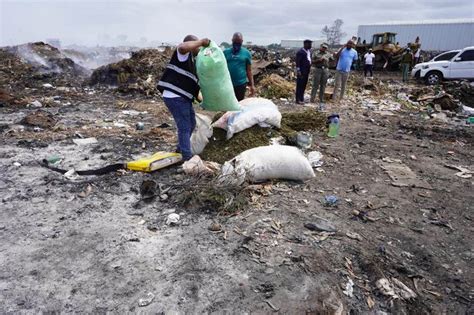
(333, 126)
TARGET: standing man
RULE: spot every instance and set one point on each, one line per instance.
(179, 86)
(369, 63)
(303, 65)
(347, 55)
(321, 63)
(239, 62)
(406, 63)
(417, 45)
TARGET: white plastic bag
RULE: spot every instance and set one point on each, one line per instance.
(268, 162)
(254, 111)
(201, 134)
(256, 101)
(197, 167)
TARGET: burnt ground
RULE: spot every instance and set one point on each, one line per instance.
(91, 245)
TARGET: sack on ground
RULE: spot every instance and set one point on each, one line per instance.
(254, 111)
(201, 134)
(214, 79)
(268, 162)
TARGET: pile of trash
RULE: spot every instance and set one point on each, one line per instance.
(266, 62)
(368, 86)
(456, 97)
(136, 74)
(274, 86)
(12, 69)
(26, 65)
(45, 60)
(27, 68)
(464, 91)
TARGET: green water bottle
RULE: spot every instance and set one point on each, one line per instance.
(333, 125)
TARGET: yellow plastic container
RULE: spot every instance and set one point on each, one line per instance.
(155, 162)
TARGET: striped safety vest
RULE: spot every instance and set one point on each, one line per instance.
(180, 77)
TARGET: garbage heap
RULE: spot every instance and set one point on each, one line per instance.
(26, 67)
(464, 91)
(135, 74)
(37, 61)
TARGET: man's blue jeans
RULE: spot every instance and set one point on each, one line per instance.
(183, 113)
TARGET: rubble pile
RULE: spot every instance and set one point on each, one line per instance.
(274, 86)
(46, 61)
(136, 74)
(12, 69)
(464, 91)
(371, 86)
(35, 66)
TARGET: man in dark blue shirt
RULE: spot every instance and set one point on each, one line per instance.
(303, 65)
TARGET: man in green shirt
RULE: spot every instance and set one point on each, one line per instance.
(239, 62)
(321, 62)
(406, 63)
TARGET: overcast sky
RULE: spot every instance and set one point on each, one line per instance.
(260, 21)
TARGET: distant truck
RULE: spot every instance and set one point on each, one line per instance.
(387, 51)
(456, 64)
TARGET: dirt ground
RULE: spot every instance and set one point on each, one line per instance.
(91, 245)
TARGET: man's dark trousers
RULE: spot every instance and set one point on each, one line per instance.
(301, 82)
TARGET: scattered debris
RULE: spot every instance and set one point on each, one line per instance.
(146, 300)
(315, 157)
(349, 288)
(172, 219)
(148, 189)
(395, 289)
(304, 140)
(463, 172)
(370, 302)
(197, 167)
(402, 176)
(354, 236)
(85, 141)
(330, 200)
(36, 104)
(71, 175)
(215, 227)
(139, 126)
(40, 118)
(86, 192)
(321, 225)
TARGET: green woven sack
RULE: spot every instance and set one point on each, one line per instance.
(214, 80)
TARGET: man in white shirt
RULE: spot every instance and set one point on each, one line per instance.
(369, 59)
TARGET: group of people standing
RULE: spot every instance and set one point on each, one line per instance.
(179, 83)
(305, 58)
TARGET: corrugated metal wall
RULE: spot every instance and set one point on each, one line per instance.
(298, 43)
(432, 36)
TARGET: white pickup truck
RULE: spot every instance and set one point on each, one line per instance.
(459, 66)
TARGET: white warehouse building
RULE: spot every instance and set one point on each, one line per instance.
(437, 35)
(298, 43)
